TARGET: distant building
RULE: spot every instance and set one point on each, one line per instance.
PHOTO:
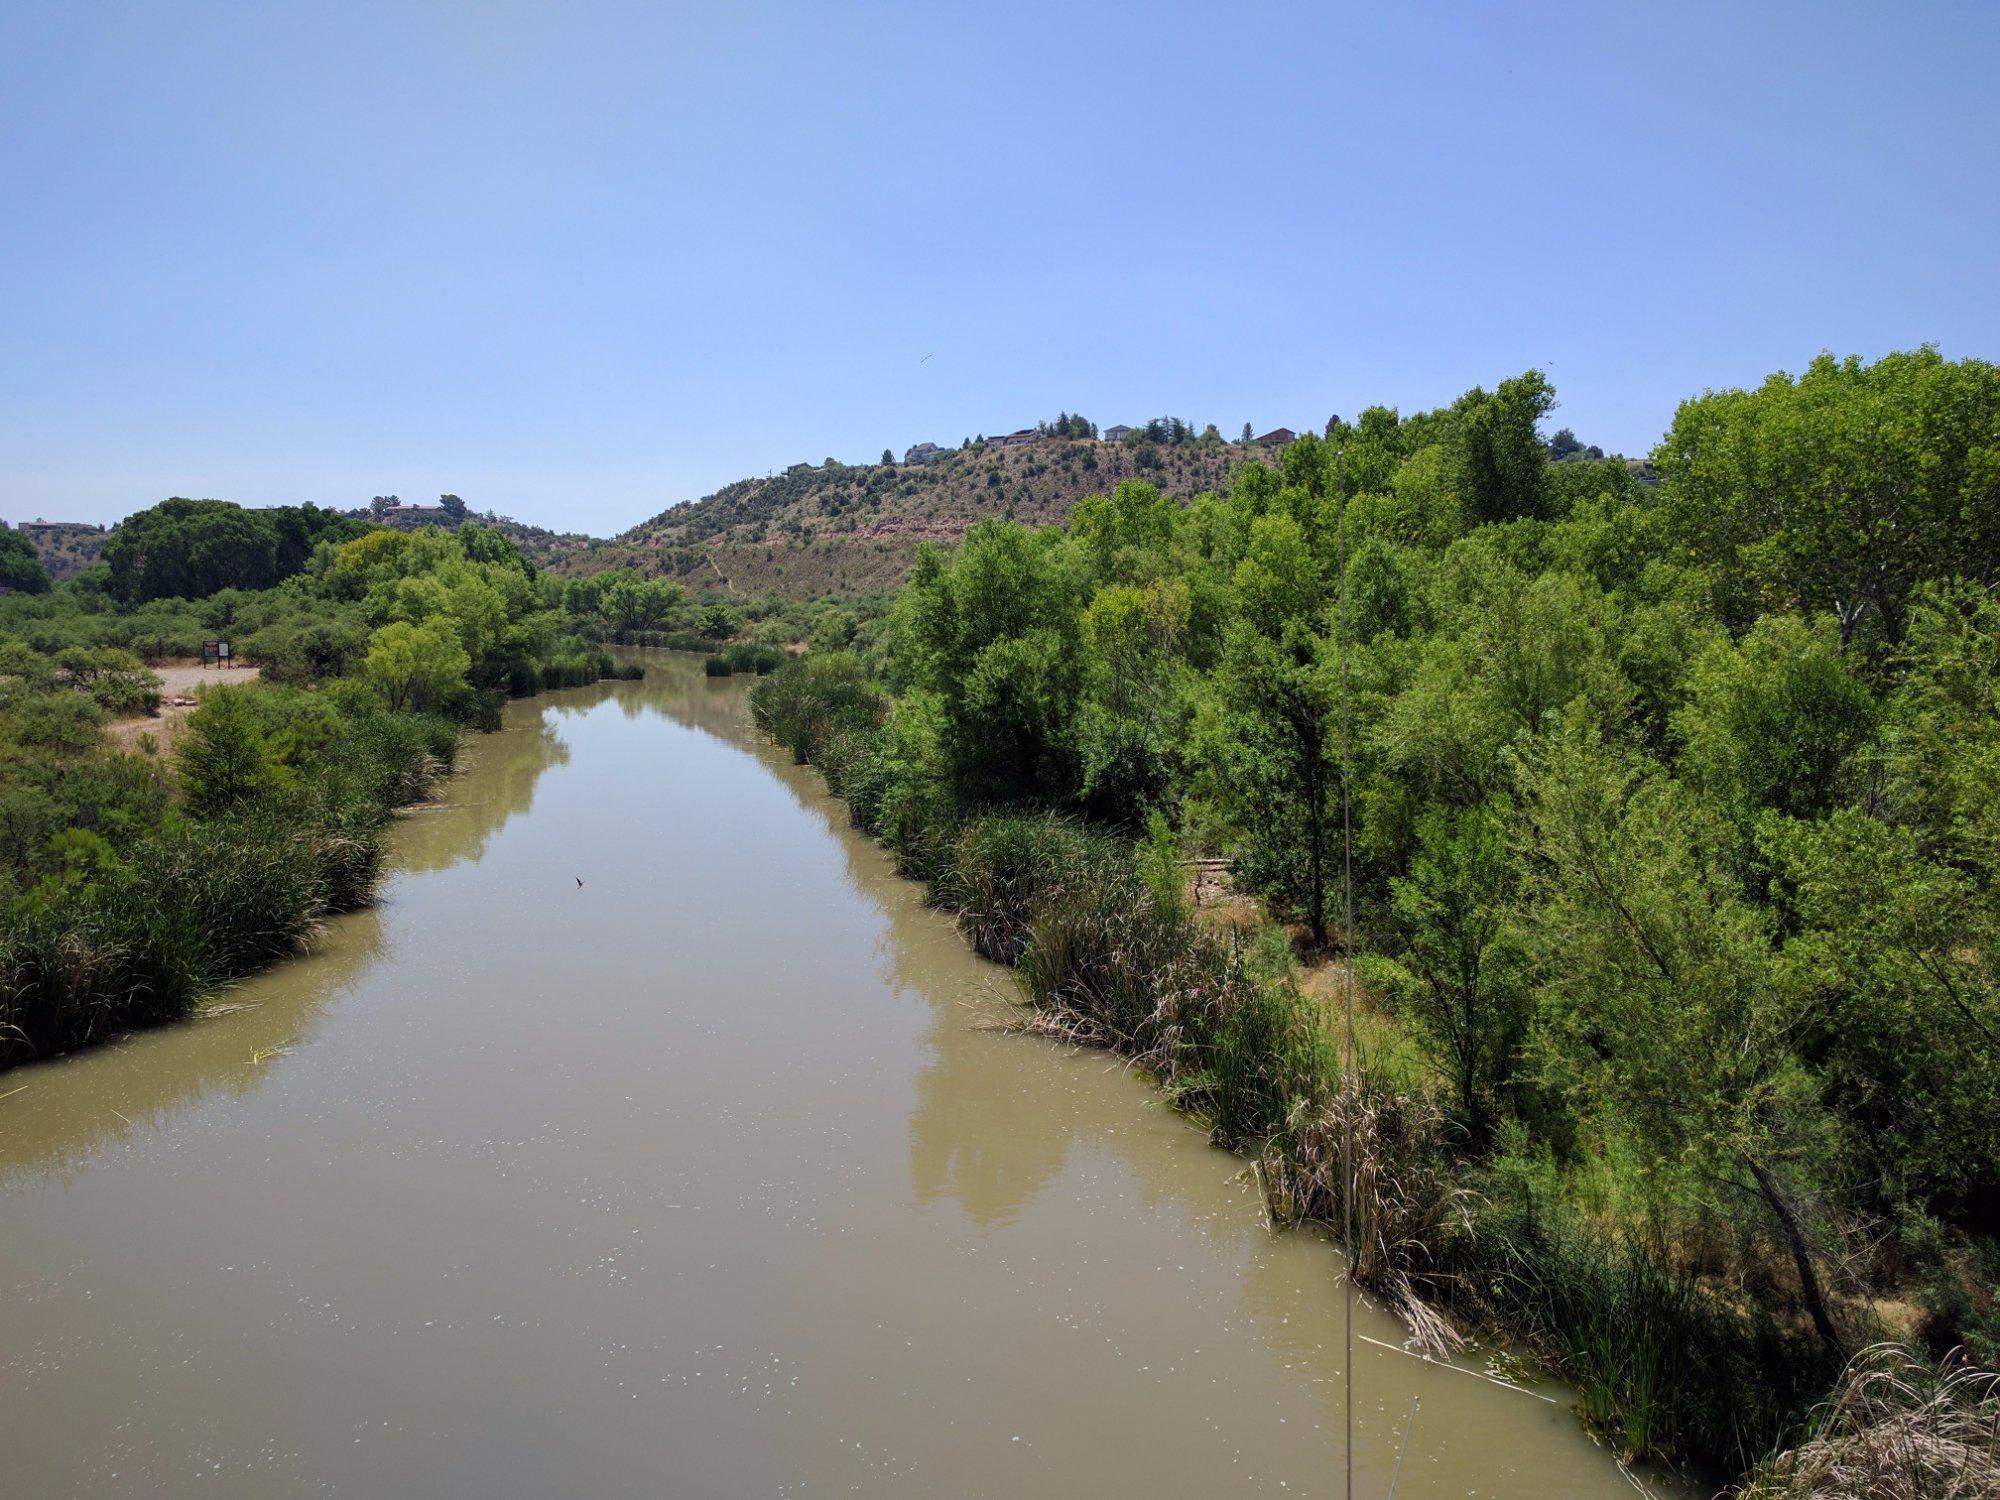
(801, 468)
(388, 510)
(924, 453)
(1116, 433)
(1277, 437)
(1016, 439)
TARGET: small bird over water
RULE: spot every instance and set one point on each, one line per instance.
(579, 882)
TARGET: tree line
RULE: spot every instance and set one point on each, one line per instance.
(1675, 822)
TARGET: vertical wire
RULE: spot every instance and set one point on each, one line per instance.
(1347, 905)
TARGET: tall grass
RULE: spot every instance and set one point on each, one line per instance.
(201, 901)
(200, 905)
(742, 656)
(1897, 1428)
(1003, 869)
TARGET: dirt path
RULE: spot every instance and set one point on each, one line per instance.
(178, 684)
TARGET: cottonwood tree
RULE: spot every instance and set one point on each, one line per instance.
(1842, 489)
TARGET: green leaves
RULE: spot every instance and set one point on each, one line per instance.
(1841, 490)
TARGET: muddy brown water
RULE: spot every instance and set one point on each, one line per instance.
(703, 1178)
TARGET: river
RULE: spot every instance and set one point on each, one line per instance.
(708, 1176)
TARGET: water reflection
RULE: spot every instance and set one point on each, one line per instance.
(495, 783)
(708, 1178)
(60, 1113)
(69, 1108)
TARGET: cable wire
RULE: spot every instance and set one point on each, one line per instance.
(1347, 924)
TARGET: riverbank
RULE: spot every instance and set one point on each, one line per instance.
(149, 867)
(599, 1190)
(1110, 954)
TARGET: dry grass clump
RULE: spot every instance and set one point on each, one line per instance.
(1406, 1208)
(1897, 1428)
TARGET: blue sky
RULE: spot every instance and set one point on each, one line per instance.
(579, 261)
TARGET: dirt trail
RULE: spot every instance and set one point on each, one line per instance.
(178, 684)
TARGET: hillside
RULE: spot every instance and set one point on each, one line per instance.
(854, 529)
(65, 547)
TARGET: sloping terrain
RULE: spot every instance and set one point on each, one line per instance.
(66, 548)
(854, 529)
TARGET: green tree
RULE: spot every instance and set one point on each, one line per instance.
(1841, 490)
(21, 565)
(995, 632)
(1667, 1002)
(1456, 972)
(227, 759)
(414, 666)
(190, 549)
(1773, 721)
(1902, 948)
(1501, 460)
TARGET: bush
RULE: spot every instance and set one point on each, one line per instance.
(1004, 869)
(1661, 1366)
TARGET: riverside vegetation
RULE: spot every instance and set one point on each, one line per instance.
(1676, 838)
(132, 883)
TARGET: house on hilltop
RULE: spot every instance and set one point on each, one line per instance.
(1016, 439)
(923, 453)
(1277, 437)
(1116, 432)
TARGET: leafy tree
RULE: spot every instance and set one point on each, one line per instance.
(415, 666)
(1500, 458)
(21, 565)
(190, 549)
(995, 633)
(1459, 974)
(1902, 949)
(1667, 1000)
(1772, 722)
(1841, 490)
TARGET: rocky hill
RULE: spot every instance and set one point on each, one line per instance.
(65, 547)
(854, 529)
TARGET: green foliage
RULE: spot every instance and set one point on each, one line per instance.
(190, 549)
(121, 906)
(1459, 975)
(415, 666)
(1676, 831)
(1842, 490)
(21, 567)
(227, 760)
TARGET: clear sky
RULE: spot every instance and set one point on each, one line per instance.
(578, 261)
